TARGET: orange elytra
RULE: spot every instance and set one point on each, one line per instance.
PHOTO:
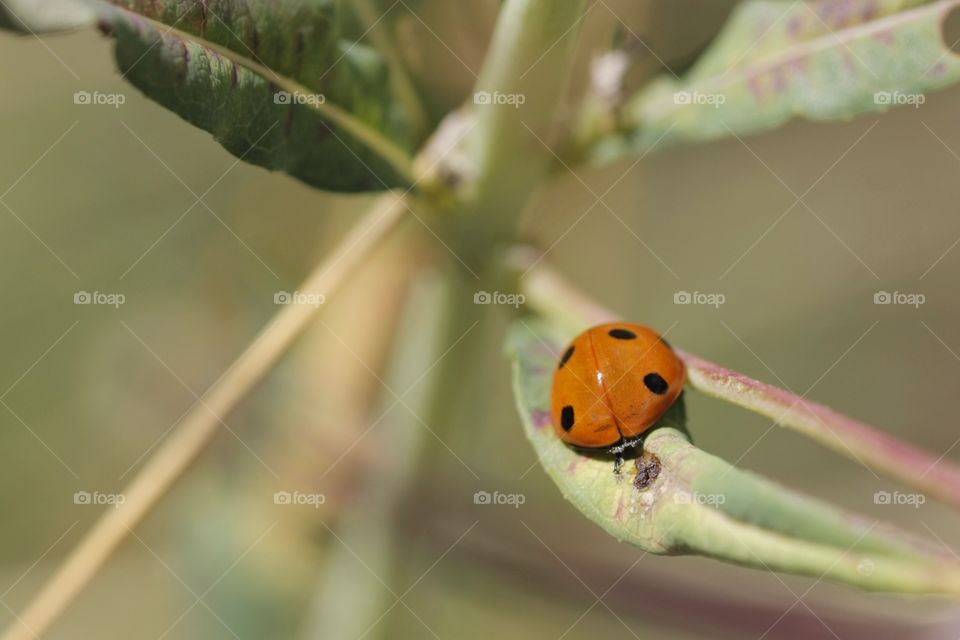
(613, 383)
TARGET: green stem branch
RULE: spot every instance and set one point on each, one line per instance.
(516, 102)
(202, 423)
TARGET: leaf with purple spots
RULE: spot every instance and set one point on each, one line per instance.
(775, 61)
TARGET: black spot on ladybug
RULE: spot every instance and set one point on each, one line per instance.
(656, 383)
(622, 334)
(566, 356)
(566, 418)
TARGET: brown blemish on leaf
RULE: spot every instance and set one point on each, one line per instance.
(322, 132)
(182, 69)
(648, 469)
(299, 50)
(254, 40)
(204, 11)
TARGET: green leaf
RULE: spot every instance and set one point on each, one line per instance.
(272, 82)
(925, 471)
(934, 475)
(677, 499)
(775, 61)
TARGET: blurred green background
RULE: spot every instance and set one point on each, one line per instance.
(97, 202)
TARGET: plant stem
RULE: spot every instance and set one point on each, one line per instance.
(529, 60)
(198, 427)
(347, 603)
(557, 299)
(403, 84)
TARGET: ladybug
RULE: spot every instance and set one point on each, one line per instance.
(613, 383)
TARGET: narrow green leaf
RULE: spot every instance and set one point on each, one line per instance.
(934, 475)
(775, 61)
(272, 82)
(677, 499)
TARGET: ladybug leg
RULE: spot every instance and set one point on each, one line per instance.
(617, 464)
(619, 449)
